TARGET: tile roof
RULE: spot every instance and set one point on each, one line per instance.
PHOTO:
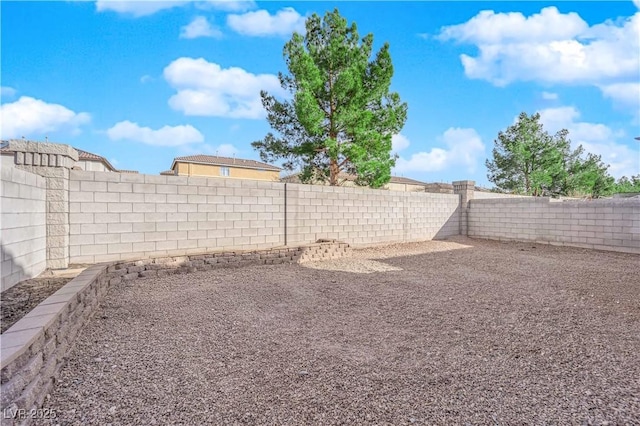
(225, 161)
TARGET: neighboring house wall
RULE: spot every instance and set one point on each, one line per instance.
(92, 166)
(407, 187)
(23, 225)
(208, 170)
(612, 224)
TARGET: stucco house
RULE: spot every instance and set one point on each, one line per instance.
(227, 167)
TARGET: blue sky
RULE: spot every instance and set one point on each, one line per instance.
(143, 82)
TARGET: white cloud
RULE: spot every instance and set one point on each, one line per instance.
(626, 95)
(463, 148)
(260, 23)
(596, 138)
(165, 136)
(146, 79)
(399, 142)
(200, 27)
(136, 8)
(7, 92)
(637, 3)
(227, 5)
(206, 89)
(32, 117)
(549, 47)
(549, 96)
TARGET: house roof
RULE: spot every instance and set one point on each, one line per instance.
(346, 176)
(89, 156)
(225, 161)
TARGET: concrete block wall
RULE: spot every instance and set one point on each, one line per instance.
(612, 224)
(117, 216)
(122, 216)
(363, 216)
(22, 225)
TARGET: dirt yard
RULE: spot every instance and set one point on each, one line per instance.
(462, 332)
(20, 299)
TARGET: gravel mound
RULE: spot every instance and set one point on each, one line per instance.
(489, 333)
(356, 266)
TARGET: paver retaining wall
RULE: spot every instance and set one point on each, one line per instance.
(611, 224)
(23, 217)
(33, 350)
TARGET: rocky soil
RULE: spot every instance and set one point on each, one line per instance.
(454, 332)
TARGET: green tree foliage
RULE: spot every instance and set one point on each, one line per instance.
(625, 184)
(341, 116)
(528, 160)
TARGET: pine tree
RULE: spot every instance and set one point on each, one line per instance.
(341, 116)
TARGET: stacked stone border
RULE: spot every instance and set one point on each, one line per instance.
(35, 348)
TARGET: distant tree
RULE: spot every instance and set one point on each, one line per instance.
(625, 184)
(528, 160)
(592, 177)
(342, 116)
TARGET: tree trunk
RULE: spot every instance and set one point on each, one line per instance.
(334, 170)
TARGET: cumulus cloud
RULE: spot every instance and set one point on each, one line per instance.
(463, 148)
(549, 47)
(625, 95)
(227, 5)
(597, 138)
(139, 8)
(206, 89)
(200, 27)
(165, 136)
(261, 24)
(32, 117)
(399, 142)
(549, 96)
(136, 8)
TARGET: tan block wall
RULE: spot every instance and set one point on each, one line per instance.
(361, 216)
(189, 169)
(116, 216)
(597, 224)
(23, 217)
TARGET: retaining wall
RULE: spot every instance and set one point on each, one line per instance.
(612, 224)
(33, 350)
(23, 221)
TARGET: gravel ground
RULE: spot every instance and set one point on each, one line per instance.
(20, 299)
(465, 332)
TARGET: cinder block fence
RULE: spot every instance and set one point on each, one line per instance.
(54, 215)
